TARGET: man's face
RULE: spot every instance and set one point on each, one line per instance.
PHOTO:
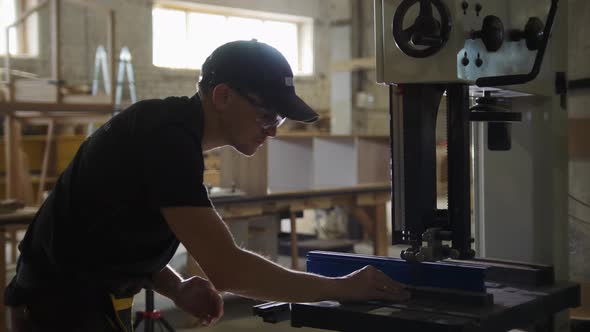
(251, 123)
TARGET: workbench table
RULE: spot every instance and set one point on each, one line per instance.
(367, 203)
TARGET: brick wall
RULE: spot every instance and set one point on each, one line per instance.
(83, 29)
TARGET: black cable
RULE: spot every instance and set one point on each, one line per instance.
(579, 219)
(578, 200)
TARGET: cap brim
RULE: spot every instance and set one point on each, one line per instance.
(294, 108)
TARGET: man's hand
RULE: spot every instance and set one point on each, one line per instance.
(198, 297)
(369, 283)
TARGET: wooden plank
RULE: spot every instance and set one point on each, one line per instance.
(583, 311)
(319, 203)
(241, 210)
(380, 242)
(297, 205)
(305, 194)
(8, 154)
(366, 199)
(373, 198)
(86, 99)
(111, 42)
(364, 219)
(212, 161)
(579, 138)
(25, 185)
(65, 120)
(18, 184)
(211, 178)
(56, 45)
(22, 33)
(382, 198)
(13, 239)
(55, 107)
(2, 277)
(45, 165)
(354, 64)
(294, 248)
(343, 200)
(19, 217)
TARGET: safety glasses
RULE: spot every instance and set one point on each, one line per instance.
(265, 117)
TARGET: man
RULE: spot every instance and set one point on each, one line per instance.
(135, 190)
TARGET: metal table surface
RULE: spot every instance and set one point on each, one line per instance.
(513, 308)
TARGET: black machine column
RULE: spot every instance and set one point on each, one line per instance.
(458, 142)
(422, 221)
(419, 111)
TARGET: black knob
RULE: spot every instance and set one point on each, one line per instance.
(469, 254)
(491, 33)
(532, 34)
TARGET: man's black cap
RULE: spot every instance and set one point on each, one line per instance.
(260, 69)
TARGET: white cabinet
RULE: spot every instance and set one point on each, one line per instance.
(297, 163)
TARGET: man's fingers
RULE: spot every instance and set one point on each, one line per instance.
(388, 285)
(217, 308)
(394, 293)
(392, 290)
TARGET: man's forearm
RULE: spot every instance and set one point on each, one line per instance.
(256, 277)
(166, 282)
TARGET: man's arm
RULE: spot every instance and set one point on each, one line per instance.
(236, 270)
(195, 295)
(167, 282)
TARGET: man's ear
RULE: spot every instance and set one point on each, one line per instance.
(220, 96)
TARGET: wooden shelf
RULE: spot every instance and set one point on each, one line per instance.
(46, 108)
(325, 135)
(354, 64)
(578, 138)
(35, 179)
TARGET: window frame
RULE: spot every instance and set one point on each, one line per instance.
(27, 34)
(305, 29)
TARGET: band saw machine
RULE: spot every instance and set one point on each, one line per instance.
(494, 64)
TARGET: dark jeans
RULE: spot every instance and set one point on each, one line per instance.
(73, 310)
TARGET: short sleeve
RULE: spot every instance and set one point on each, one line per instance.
(173, 169)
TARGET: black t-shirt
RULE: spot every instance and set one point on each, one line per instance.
(102, 221)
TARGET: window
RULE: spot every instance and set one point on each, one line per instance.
(7, 16)
(184, 37)
(23, 38)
